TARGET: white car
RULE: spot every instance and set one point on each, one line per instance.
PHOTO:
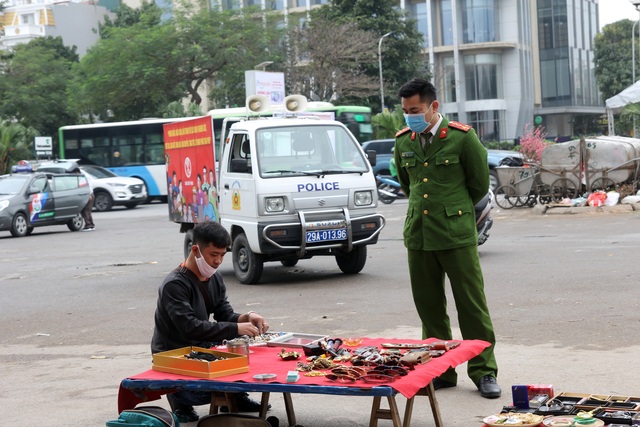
(109, 189)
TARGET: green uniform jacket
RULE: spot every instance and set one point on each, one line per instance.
(443, 186)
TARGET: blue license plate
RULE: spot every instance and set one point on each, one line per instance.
(326, 235)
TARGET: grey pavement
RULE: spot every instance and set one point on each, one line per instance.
(557, 334)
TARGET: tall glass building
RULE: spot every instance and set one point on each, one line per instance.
(499, 64)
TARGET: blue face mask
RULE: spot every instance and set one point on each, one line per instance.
(416, 122)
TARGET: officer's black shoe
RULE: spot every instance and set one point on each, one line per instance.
(245, 404)
(489, 387)
(186, 415)
(440, 383)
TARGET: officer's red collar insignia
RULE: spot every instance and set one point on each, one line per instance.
(402, 131)
(460, 126)
(443, 133)
(413, 136)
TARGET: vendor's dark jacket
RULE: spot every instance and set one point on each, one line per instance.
(443, 185)
(181, 317)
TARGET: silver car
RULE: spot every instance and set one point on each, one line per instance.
(29, 200)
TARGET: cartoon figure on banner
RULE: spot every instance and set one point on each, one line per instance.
(200, 198)
(194, 204)
(205, 184)
(187, 167)
(235, 196)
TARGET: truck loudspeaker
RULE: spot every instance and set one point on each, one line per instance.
(258, 103)
(295, 103)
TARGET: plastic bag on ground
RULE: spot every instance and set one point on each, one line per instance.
(612, 198)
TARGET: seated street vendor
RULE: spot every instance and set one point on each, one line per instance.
(186, 299)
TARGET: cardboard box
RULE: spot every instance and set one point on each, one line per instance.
(535, 389)
(175, 362)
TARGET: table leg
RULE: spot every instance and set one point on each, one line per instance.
(430, 392)
(387, 414)
(264, 405)
(288, 405)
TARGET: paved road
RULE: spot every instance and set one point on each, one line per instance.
(76, 311)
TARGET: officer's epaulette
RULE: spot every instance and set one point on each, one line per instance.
(403, 131)
(460, 126)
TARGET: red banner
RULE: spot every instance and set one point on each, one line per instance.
(190, 158)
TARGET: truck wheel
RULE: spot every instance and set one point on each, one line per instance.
(76, 223)
(289, 262)
(19, 225)
(246, 264)
(188, 242)
(103, 201)
(352, 262)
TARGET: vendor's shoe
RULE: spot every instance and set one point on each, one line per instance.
(489, 387)
(245, 404)
(186, 415)
(440, 383)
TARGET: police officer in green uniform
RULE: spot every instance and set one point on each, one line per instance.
(443, 170)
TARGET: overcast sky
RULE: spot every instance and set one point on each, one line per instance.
(615, 10)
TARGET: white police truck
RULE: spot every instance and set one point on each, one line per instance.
(288, 188)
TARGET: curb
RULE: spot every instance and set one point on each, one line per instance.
(557, 209)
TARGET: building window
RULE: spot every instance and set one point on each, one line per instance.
(556, 87)
(418, 11)
(482, 76)
(275, 4)
(447, 23)
(27, 19)
(486, 124)
(479, 21)
(449, 79)
(552, 24)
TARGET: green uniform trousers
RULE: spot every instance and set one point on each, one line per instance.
(427, 271)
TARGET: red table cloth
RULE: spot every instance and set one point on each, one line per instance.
(264, 359)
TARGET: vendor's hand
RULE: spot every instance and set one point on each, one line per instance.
(259, 322)
(247, 328)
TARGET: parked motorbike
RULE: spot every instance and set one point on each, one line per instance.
(389, 190)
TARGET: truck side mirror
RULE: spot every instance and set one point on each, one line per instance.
(371, 155)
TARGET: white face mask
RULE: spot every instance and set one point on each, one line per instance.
(205, 269)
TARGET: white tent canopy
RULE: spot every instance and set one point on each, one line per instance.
(616, 103)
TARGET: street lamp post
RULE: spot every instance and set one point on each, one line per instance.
(380, 67)
(636, 4)
(263, 65)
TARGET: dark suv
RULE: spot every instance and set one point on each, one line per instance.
(29, 200)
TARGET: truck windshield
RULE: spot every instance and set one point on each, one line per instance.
(304, 150)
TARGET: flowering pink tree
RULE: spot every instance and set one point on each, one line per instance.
(533, 142)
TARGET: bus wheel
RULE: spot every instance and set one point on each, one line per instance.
(246, 264)
(103, 201)
(352, 262)
(188, 242)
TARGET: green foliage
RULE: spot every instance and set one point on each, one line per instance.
(386, 124)
(333, 71)
(612, 58)
(34, 85)
(148, 14)
(14, 144)
(402, 57)
(144, 64)
(177, 109)
(500, 145)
